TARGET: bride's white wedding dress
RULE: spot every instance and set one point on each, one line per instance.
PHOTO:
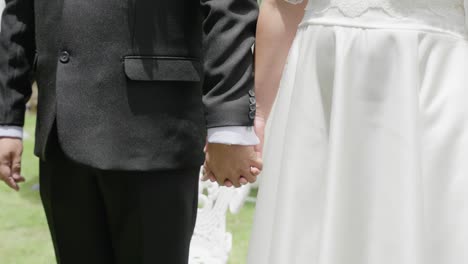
(366, 160)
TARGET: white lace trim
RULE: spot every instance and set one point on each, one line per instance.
(449, 12)
(397, 8)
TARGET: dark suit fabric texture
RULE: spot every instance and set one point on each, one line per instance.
(130, 84)
(118, 217)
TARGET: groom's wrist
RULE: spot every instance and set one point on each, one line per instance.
(233, 135)
(11, 131)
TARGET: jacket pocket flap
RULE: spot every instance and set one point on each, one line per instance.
(149, 68)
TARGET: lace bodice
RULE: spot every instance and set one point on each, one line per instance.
(449, 11)
(354, 8)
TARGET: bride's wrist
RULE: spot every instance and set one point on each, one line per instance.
(261, 115)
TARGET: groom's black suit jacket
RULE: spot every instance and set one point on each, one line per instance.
(129, 84)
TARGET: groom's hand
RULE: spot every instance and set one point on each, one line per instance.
(232, 164)
(11, 150)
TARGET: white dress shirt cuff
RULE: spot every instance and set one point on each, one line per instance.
(233, 135)
(11, 131)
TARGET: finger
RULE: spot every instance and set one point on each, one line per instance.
(16, 171)
(235, 181)
(228, 183)
(11, 183)
(20, 179)
(207, 173)
(243, 180)
(255, 171)
(248, 176)
(220, 181)
(5, 172)
(251, 179)
(16, 165)
(211, 176)
(257, 163)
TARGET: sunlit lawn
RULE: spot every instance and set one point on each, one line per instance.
(25, 239)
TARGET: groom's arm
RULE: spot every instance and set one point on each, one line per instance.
(17, 49)
(229, 33)
(229, 95)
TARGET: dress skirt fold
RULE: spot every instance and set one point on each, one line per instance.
(366, 160)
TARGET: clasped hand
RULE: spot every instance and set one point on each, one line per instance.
(231, 165)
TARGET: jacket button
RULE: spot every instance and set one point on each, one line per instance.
(252, 100)
(252, 115)
(252, 107)
(64, 57)
(252, 92)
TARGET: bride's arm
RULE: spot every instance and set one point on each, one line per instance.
(276, 28)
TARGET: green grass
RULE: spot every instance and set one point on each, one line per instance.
(239, 226)
(25, 239)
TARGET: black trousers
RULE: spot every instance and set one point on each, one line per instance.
(117, 217)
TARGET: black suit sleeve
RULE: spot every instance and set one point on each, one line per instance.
(229, 33)
(17, 51)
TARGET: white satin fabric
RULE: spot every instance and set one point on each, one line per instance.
(366, 160)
